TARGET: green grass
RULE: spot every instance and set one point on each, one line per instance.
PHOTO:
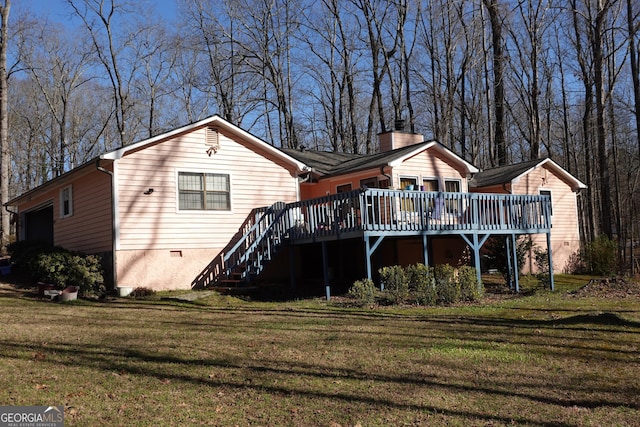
(542, 360)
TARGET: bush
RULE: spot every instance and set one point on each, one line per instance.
(600, 256)
(470, 289)
(447, 286)
(421, 284)
(541, 259)
(395, 283)
(363, 291)
(60, 267)
(23, 252)
(497, 253)
(142, 292)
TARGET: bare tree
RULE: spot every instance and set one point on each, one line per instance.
(110, 42)
(4, 125)
(496, 20)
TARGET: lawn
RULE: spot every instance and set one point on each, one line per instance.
(546, 359)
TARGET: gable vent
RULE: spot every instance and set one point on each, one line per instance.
(212, 141)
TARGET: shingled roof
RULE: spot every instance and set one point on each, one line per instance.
(327, 163)
(507, 174)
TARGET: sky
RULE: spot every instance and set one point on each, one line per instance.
(58, 11)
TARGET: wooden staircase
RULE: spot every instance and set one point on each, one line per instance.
(257, 246)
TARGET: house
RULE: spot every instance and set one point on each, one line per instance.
(544, 177)
(210, 203)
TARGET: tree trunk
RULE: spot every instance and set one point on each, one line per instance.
(4, 128)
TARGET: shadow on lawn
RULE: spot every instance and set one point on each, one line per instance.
(250, 371)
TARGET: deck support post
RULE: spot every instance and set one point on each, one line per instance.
(425, 250)
(514, 261)
(507, 246)
(475, 244)
(369, 250)
(325, 271)
(551, 284)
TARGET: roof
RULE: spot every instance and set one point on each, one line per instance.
(511, 173)
(116, 154)
(214, 120)
(326, 163)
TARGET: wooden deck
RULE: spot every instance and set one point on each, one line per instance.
(374, 214)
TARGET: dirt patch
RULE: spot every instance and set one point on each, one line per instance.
(614, 287)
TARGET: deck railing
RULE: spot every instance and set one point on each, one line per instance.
(384, 211)
(413, 211)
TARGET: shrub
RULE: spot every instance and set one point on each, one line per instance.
(421, 284)
(142, 292)
(600, 256)
(541, 258)
(395, 283)
(363, 292)
(447, 286)
(60, 267)
(470, 289)
(497, 253)
(23, 252)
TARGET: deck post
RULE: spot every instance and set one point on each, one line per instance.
(476, 256)
(507, 245)
(551, 284)
(514, 261)
(425, 250)
(325, 271)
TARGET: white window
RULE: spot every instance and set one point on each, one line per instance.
(548, 193)
(453, 205)
(66, 202)
(204, 191)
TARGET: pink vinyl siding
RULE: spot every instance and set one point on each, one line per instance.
(565, 238)
(429, 165)
(88, 229)
(154, 221)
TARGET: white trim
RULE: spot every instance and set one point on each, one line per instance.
(213, 121)
(576, 183)
(61, 195)
(548, 190)
(116, 206)
(432, 178)
(441, 148)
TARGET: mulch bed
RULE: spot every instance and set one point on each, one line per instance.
(614, 287)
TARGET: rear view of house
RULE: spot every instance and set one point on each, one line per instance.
(209, 203)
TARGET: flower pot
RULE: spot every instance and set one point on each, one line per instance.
(70, 293)
(46, 289)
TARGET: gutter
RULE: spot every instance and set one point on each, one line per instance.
(114, 223)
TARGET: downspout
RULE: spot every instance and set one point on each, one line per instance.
(6, 208)
(113, 225)
(387, 175)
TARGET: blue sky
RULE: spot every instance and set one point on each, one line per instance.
(58, 11)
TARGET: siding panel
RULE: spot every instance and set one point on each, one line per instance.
(154, 222)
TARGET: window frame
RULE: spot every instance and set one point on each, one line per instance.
(66, 204)
(203, 174)
(550, 194)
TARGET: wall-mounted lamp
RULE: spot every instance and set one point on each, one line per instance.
(149, 191)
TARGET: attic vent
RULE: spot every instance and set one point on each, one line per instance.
(212, 141)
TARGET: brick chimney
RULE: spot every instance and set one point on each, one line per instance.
(398, 138)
